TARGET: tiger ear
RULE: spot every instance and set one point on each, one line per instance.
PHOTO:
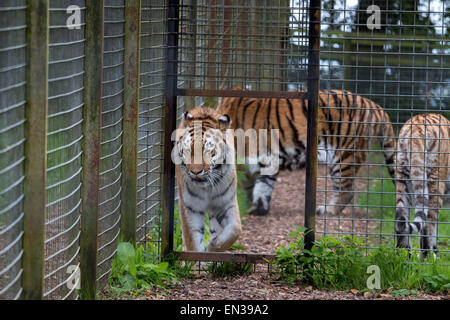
(188, 116)
(224, 122)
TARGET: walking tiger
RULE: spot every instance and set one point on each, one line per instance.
(347, 122)
(422, 170)
(207, 185)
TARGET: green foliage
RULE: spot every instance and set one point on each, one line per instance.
(331, 262)
(138, 268)
(438, 282)
(404, 292)
(341, 263)
(223, 269)
(237, 246)
(244, 202)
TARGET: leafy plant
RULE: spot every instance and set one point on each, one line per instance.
(437, 282)
(404, 292)
(137, 268)
(341, 263)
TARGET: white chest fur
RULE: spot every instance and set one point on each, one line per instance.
(212, 195)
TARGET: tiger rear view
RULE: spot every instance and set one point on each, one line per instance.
(347, 123)
(422, 169)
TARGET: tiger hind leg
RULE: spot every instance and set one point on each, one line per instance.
(342, 194)
(262, 194)
(402, 213)
(249, 181)
(428, 233)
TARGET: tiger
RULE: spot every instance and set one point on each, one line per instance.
(208, 185)
(346, 124)
(422, 170)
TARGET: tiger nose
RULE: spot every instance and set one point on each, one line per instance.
(196, 172)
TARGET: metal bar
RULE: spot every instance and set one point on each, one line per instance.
(313, 109)
(130, 121)
(190, 51)
(92, 118)
(241, 93)
(35, 150)
(224, 257)
(168, 183)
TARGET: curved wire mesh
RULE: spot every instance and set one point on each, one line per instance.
(12, 137)
(111, 146)
(65, 118)
(151, 114)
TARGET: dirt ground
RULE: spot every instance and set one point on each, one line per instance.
(260, 286)
(262, 234)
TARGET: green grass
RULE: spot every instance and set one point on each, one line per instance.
(342, 263)
(223, 269)
(244, 202)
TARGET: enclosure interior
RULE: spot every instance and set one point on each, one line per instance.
(403, 66)
(396, 57)
(259, 45)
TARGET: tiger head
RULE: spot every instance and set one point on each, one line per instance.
(202, 149)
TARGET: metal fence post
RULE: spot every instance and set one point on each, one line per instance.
(168, 185)
(92, 115)
(35, 149)
(130, 121)
(313, 109)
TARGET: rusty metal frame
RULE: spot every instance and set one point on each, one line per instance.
(254, 258)
(130, 121)
(36, 150)
(239, 93)
(92, 124)
(172, 92)
(313, 111)
(170, 114)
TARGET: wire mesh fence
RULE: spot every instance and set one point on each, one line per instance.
(67, 145)
(151, 114)
(12, 137)
(395, 54)
(64, 155)
(111, 146)
(380, 64)
(376, 72)
(251, 44)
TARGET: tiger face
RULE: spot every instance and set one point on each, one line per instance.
(201, 145)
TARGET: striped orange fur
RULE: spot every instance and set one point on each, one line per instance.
(422, 169)
(347, 123)
(209, 186)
